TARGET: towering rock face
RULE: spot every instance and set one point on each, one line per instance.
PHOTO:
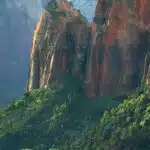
(119, 46)
(17, 21)
(111, 55)
(59, 46)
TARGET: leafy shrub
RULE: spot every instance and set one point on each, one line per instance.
(124, 127)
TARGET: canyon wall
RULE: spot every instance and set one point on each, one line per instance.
(110, 55)
(59, 45)
(119, 47)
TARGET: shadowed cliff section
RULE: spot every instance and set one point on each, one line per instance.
(110, 56)
(119, 48)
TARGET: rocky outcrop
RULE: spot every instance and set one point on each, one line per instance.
(109, 55)
(60, 44)
(120, 45)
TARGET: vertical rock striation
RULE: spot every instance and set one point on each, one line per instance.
(119, 46)
(110, 55)
(59, 46)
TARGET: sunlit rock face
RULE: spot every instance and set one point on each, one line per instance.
(110, 55)
(120, 47)
(17, 22)
(112, 63)
(59, 46)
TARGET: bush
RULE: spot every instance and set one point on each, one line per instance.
(124, 127)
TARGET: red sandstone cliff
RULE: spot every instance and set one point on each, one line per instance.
(111, 55)
(119, 47)
(59, 45)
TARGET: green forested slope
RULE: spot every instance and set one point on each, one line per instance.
(50, 118)
(126, 127)
(67, 119)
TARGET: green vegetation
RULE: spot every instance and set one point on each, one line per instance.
(65, 119)
(124, 127)
(50, 117)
